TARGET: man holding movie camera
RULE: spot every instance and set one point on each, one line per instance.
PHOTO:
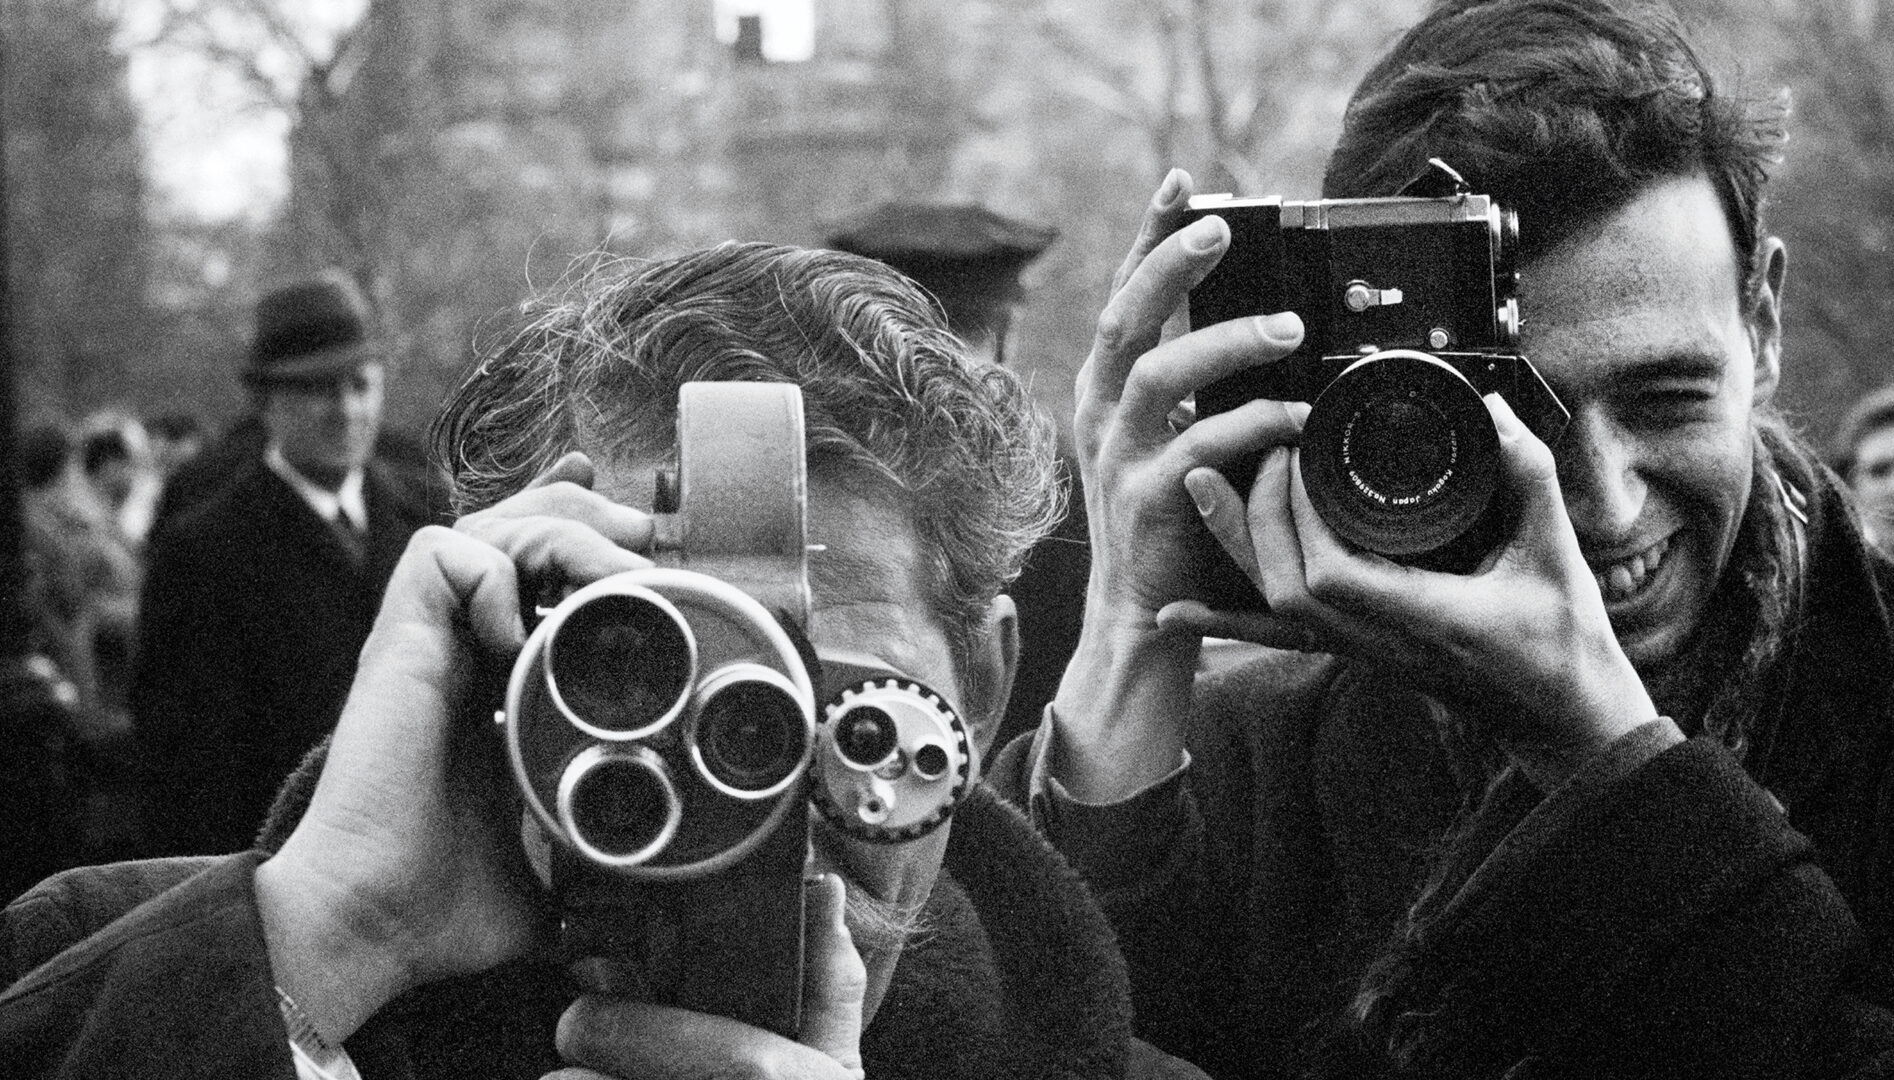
(1606, 795)
(404, 915)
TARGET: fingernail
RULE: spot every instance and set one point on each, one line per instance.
(1284, 327)
(1168, 191)
(1297, 410)
(1206, 234)
(1200, 493)
(838, 908)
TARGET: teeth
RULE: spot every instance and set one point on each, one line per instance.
(1621, 580)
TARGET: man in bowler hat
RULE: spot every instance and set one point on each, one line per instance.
(971, 258)
(258, 599)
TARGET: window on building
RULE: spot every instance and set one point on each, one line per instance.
(778, 31)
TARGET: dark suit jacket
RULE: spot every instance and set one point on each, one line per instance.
(252, 618)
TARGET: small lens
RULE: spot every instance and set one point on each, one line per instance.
(751, 735)
(866, 735)
(930, 761)
(620, 662)
(620, 806)
(1401, 448)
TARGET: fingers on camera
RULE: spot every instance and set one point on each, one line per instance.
(1161, 218)
(572, 468)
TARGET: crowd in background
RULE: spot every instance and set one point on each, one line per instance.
(90, 492)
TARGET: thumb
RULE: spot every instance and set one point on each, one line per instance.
(834, 981)
(1528, 463)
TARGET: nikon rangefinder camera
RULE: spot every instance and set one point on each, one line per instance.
(671, 733)
(1410, 315)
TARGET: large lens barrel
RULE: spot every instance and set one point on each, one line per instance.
(620, 666)
(618, 804)
(749, 734)
(1400, 457)
(659, 723)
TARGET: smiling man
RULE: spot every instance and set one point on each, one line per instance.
(390, 923)
(1613, 802)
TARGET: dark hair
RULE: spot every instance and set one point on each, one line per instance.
(1564, 110)
(100, 448)
(1869, 415)
(44, 451)
(892, 402)
(176, 425)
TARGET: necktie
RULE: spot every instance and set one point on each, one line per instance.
(354, 543)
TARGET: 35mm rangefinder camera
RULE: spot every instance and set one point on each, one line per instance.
(1410, 315)
(671, 732)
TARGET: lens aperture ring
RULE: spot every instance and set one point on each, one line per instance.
(893, 760)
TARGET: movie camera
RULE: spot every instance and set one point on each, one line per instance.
(671, 732)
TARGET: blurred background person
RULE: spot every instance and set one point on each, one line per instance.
(82, 577)
(971, 259)
(81, 593)
(176, 438)
(259, 596)
(115, 455)
(1866, 461)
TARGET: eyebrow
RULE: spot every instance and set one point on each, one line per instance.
(1675, 365)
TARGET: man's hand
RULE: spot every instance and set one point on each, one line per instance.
(609, 1037)
(1523, 642)
(406, 868)
(1129, 682)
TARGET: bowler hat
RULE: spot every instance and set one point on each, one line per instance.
(309, 331)
(968, 256)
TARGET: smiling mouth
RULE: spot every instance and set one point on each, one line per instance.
(1626, 578)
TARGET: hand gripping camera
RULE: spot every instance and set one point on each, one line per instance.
(670, 732)
(1410, 315)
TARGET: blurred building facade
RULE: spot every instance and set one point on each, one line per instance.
(456, 154)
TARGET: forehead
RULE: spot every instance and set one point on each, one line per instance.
(369, 372)
(1655, 281)
(865, 574)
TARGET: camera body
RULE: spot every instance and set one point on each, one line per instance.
(671, 734)
(1410, 315)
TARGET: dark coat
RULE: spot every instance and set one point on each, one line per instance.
(158, 968)
(1671, 922)
(252, 618)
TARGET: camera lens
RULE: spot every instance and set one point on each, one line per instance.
(621, 664)
(619, 807)
(751, 737)
(931, 761)
(1399, 455)
(866, 736)
(1400, 448)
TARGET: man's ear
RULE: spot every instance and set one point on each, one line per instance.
(1765, 318)
(992, 664)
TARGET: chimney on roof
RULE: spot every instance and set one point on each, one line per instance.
(749, 44)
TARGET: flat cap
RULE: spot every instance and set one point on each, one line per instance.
(965, 254)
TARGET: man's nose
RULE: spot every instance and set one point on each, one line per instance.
(1600, 478)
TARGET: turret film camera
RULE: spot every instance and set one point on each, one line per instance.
(1410, 315)
(672, 733)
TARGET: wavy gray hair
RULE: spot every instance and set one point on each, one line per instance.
(893, 403)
